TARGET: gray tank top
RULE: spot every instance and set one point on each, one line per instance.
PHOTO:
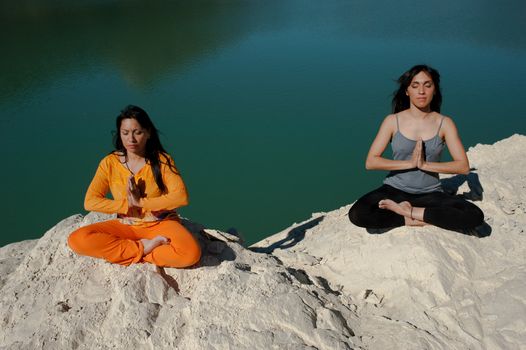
(415, 180)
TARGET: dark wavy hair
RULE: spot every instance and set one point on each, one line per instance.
(154, 150)
(401, 100)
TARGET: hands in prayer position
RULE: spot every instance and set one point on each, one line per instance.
(133, 193)
(418, 157)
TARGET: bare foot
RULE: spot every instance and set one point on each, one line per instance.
(151, 244)
(403, 209)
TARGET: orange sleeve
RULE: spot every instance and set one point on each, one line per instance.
(96, 200)
(176, 195)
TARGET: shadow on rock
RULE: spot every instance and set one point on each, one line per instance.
(213, 250)
(378, 231)
(452, 184)
(169, 279)
(481, 231)
(294, 236)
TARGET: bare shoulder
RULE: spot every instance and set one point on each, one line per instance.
(389, 122)
(390, 117)
(448, 125)
(446, 121)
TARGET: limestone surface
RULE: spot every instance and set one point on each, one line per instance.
(50, 298)
(424, 287)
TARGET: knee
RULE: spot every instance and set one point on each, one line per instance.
(477, 216)
(182, 254)
(354, 215)
(77, 239)
(192, 255)
(471, 216)
(185, 246)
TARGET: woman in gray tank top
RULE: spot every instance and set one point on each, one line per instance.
(411, 194)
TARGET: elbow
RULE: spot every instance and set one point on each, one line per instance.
(465, 170)
(369, 164)
(178, 202)
(92, 203)
(88, 205)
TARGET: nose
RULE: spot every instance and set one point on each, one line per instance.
(129, 139)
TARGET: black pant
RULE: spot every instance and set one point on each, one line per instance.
(441, 209)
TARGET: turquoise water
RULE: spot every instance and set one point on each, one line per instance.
(268, 107)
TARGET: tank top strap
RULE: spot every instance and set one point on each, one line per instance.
(397, 124)
(441, 121)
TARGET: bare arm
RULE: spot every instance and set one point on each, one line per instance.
(374, 160)
(460, 162)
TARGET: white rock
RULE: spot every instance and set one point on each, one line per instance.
(54, 299)
(427, 288)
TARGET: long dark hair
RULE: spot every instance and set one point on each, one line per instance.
(154, 150)
(401, 100)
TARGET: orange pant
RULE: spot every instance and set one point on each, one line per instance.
(119, 243)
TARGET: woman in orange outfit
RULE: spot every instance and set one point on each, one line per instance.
(146, 189)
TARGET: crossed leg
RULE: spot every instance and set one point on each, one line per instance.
(166, 243)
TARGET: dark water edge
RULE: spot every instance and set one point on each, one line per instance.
(268, 107)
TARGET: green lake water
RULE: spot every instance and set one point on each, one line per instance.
(268, 107)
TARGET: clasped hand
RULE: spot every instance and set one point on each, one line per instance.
(133, 193)
(418, 157)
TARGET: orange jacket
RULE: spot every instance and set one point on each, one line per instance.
(113, 176)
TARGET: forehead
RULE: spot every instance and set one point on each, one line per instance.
(130, 124)
(421, 77)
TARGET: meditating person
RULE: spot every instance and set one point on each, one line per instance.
(412, 194)
(146, 189)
